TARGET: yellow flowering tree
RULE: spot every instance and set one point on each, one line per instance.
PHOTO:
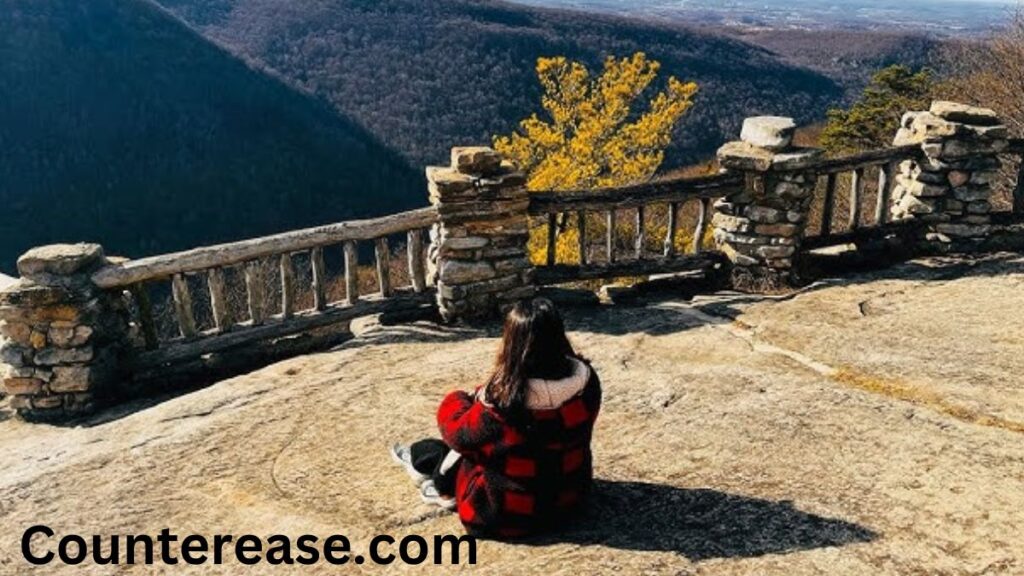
(591, 134)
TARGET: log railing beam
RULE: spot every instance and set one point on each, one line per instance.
(199, 259)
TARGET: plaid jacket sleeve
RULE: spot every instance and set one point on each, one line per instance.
(466, 425)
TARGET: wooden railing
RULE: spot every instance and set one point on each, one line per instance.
(609, 202)
(887, 162)
(255, 257)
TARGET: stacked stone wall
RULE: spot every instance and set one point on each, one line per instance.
(478, 256)
(951, 188)
(760, 227)
(62, 335)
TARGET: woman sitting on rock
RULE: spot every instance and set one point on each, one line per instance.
(515, 457)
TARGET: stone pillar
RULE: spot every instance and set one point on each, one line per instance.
(760, 228)
(951, 187)
(62, 334)
(478, 256)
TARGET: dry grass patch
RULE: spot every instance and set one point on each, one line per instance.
(915, 394)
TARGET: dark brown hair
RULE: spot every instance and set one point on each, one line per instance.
(533, 345)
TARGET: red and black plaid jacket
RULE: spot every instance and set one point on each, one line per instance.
(520, 479)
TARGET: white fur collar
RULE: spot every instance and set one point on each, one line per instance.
(550, 394)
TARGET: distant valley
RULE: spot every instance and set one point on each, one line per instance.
(152, 128)
(944, 17)
(425, 76)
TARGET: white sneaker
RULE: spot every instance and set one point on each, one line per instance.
(430, 495)
(401, 455)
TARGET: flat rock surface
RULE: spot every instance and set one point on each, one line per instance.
(862, 426)
(61, 259)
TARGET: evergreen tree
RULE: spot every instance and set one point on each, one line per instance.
(874, 118)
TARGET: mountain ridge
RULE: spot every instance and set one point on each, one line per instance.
(125, 126)
(427, 76)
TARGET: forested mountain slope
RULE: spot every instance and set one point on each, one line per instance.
(426, 75)
(119, 124)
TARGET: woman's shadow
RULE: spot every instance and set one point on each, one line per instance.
(700, 524)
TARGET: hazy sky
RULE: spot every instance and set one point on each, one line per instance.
(940, 16)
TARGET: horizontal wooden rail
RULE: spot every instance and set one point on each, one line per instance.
(904, 228)
(167, 265)
(831, 169)
(181, 349)
(564, 273)
(670, 191)
(863, 160)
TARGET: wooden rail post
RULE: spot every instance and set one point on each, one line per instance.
(63, 335)
(856, 194)
(552, 246)
(829, 204)
(417, 272)
(609, 242)
(351, 273)
(669, 247)
(316, 259)
(287, 286)
(481, 259)
(761, 227)
(702, 225)
(183, 306)
(581, 233)
(255, 292)
(218, 302)
(383, 254)
(886, 182)
(641, 235)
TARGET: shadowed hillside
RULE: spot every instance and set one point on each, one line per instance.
(119, 124)
(423, 76)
